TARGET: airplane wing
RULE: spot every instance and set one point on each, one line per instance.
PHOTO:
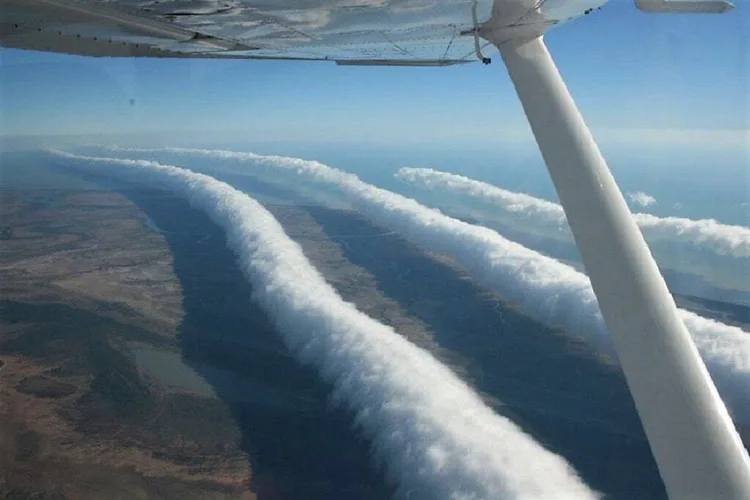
(685, 6)
(378, 32)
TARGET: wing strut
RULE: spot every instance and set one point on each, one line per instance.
(477, 48)
(697, 449)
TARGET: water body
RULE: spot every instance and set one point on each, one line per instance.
(168, 367)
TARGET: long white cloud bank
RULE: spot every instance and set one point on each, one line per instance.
(543, 288)
(435, 436)
(723, 239)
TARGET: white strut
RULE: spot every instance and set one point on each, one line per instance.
(696, 447)
(477, 48)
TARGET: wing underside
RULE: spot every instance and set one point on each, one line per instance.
(397, 32)
(351, 31)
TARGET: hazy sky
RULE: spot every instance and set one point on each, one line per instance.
(627, 70)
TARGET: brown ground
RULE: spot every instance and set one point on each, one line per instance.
(85, 277)
(81, 275)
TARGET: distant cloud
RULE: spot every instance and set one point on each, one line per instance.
(641, 199)
(543, 288)
(721, 238)
(435, 437)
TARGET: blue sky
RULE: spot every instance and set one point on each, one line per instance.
(654, 76)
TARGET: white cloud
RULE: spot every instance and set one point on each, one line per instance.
(641, 199)
(724, 239)
(433, 433)
(545, 289)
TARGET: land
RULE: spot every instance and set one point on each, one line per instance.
(135, 366)
(133, 363)
(81, 279)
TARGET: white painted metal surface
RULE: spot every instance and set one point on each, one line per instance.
(685, 6)
(698, 451)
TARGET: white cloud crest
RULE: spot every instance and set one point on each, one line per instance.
(435, 436)
(724, 239)
(545, 289)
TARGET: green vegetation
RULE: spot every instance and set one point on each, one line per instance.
(116, 379)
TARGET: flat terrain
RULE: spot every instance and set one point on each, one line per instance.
(135, 366)
(133, 363)
(81, 278)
